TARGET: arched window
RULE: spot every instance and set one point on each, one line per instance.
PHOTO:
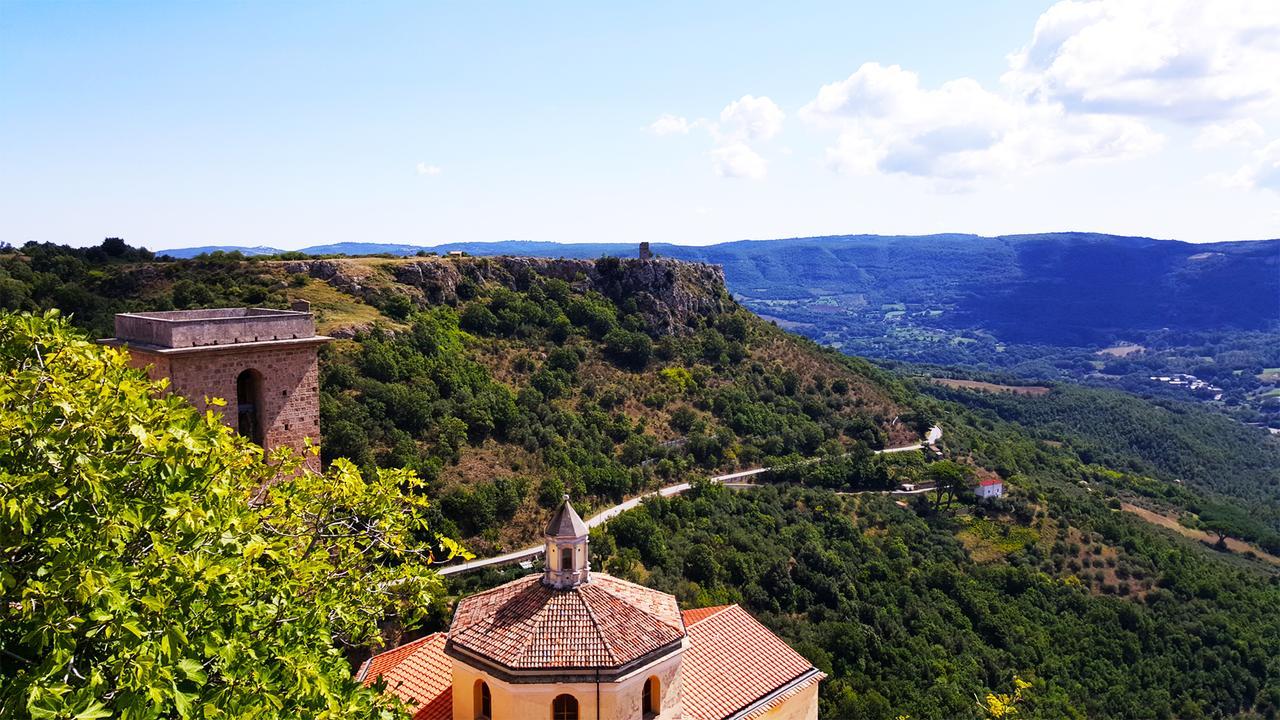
(652, 703)
(248, 405)
(564, 707)
(566, 558)
(483, 701)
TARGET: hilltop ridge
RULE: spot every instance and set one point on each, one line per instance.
(1066, 288)
(668, 293)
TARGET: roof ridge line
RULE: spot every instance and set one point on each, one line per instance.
(595, 624)
(626, 601)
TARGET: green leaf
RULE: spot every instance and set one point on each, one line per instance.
(193, 671)
(95, 710)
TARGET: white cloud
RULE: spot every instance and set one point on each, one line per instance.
(747, 120)
(750, 118)
(1093, 83)
(1184, 60)
(1263, 172)
(668, 124)
(425, 169)
(960, 131)
(1236, 132)
(738, 160)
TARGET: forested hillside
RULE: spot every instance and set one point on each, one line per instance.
(1057, 288)
(1175, 442)
(1104, 310)
(505, 382)
(921, 616)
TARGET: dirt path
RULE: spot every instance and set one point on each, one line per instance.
(1234, 545)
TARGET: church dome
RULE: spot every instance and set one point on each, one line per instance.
(606, 624)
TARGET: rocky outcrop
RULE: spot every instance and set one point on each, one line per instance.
(668, 294)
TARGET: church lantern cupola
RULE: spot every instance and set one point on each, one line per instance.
(567, 562)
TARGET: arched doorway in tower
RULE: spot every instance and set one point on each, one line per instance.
(249, 406)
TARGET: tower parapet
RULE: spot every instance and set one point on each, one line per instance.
(262, 362)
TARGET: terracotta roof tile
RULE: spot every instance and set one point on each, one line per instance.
(419, 673)
(733, 661)
(693, 616)
(604, 623)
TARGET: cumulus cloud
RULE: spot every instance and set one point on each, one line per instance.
(1263, 172)
(750, 118)
(1183, 60)
(1236, 132)
(744, 121)
(738, 160)
(958, 131)
(1093, 83)
(668, 124)
(425, 169)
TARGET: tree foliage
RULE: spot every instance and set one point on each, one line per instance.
(149, 568)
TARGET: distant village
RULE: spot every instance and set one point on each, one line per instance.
(1190, 382)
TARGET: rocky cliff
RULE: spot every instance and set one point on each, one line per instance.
(669, 294)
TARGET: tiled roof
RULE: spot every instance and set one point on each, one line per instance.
(733, 662)
(990, 481)
(604, 623)
(419, 673)
(566, 522)
(693, 616)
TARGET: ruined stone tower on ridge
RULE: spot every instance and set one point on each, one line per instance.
(262, 362)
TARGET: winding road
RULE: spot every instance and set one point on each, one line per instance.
(734, 480)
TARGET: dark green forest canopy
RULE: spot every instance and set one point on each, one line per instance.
(890, 605)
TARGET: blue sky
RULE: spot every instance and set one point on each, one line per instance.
(290, 124)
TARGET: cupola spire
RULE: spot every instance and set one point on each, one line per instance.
(567, 562)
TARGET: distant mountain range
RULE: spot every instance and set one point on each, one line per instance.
(1059, 288)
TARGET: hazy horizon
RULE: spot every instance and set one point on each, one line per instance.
(295, 246)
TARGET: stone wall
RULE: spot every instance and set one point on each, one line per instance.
(289, 389)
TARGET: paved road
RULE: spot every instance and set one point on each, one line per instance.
(733, 480)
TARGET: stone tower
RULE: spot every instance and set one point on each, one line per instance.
(262, 362)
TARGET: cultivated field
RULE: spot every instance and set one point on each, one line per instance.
(1122, 350)
(992, 387)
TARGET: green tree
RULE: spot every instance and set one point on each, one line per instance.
(949, 479)
(146, 573)
(629, 349)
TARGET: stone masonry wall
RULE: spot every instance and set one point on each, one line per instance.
(290, 397)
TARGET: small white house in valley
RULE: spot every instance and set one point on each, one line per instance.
(989, 488)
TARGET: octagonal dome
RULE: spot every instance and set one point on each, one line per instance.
(605, 624)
